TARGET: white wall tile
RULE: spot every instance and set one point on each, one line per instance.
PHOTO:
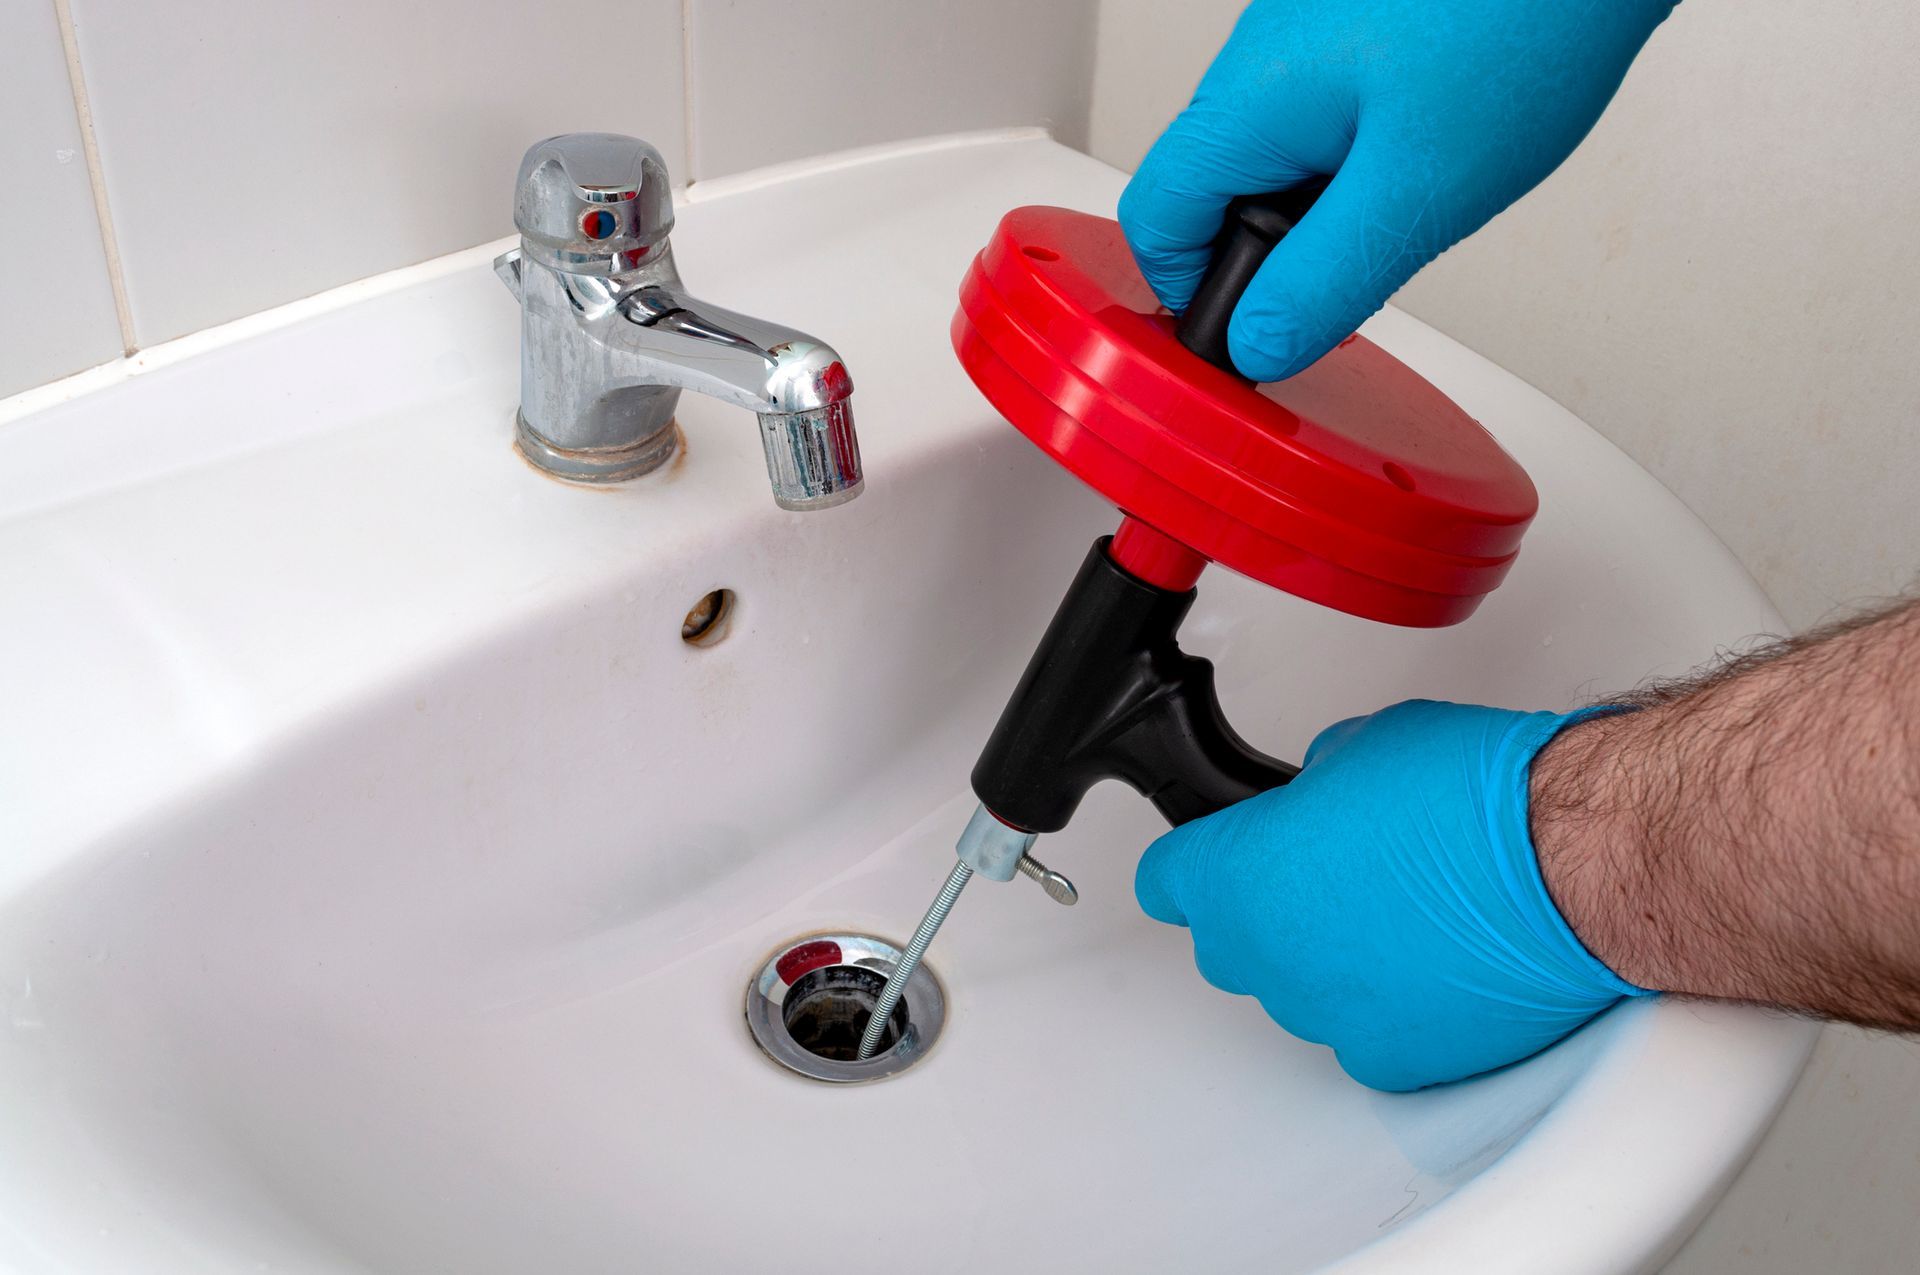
(56, 307)
(775, 80)
(257, 153)
(1146, 66)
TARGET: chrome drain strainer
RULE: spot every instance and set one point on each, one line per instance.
(812, 1000)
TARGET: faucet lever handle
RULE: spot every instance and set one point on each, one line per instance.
(592, 203)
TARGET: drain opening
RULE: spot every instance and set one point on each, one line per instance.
(827, 1012)
(812, 1000)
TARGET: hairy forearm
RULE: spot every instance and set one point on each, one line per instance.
(1753, 835)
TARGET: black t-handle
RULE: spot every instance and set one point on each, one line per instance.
(1254, 224)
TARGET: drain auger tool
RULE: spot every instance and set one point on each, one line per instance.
(1355, 484)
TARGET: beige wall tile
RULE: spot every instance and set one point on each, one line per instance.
(257, 153)
(780, 79)
(56, 307)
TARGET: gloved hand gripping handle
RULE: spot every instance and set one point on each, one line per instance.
(1253, 226)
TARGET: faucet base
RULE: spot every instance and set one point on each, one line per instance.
(596, 465)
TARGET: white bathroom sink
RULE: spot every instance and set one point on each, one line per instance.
(383, 874)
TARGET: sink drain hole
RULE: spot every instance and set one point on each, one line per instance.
(812, 1001)
(827, 1012)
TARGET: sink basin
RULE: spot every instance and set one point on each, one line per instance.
(384, 873)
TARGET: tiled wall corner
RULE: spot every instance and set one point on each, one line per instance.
(56, 306)
(255, 154)
(258, 153)
(775, 80)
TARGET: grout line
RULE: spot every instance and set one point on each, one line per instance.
(96, 176)
(686, 86)
(167, 353)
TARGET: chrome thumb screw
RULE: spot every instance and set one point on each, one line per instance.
(1058, 888)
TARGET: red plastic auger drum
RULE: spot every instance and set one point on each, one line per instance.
(1355, 484)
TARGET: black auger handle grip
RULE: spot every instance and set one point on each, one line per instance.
(1254, 225)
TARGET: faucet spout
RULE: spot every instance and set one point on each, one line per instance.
(610, 337)
(749, 362)
(798, 385)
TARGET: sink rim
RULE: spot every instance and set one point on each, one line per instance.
(1759, 1057)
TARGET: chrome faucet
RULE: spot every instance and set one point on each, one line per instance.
(609, 337)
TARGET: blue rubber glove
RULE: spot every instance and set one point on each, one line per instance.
(1432, 116)
(1387, 902)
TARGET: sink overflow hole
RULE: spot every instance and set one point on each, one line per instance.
(828, 1010)
(707, 622)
